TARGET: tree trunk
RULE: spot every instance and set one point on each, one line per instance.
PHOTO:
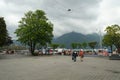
(32, 48)
(118, 50)
(111, 49)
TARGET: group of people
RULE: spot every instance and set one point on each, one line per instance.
(75, 54)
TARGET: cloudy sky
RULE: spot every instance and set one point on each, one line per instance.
(86, 16)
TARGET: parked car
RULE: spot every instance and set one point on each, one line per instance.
(114, 57)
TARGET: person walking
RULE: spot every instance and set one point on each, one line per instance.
(74, 55)
(81, 54)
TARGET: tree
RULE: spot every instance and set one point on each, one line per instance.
(74, 45)
(3, 31)
(4, 38)
(107, 41)
(54, 46)
(112, 36)
(35, 28)
(84, 44)
(62, 46)
(92, 45)
(79, 45)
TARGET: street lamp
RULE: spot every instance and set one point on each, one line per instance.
(100, 36)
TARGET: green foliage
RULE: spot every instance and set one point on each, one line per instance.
(107, 40)
(84, 44)
(92, 44)
(74, 37)
(34, 28)
(54, 46)
(4, 38)
(3, 32)
(8, 41)
(62, 45)
(112, 36)
(74, 45)
(79, 45)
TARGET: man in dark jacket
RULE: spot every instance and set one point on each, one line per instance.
(74, 55)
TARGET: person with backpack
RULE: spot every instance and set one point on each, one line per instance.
(74, 56)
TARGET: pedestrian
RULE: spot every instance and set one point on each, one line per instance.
(74, 55)
(81, 54)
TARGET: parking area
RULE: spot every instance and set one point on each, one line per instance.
(59, 68)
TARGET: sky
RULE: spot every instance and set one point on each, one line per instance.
(86, 16)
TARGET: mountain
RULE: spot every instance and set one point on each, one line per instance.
(74, 37)
(93, 37)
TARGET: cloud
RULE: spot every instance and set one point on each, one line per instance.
(108, 14)
(85, 16)
(79, 9)
(13, 11)
(82, 14)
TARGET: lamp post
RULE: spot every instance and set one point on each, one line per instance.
(100, 36)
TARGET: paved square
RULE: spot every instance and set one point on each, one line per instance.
(59, 68)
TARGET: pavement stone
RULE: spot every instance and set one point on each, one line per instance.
(59, 68)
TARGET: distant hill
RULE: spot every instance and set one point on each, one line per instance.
(72, 37)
